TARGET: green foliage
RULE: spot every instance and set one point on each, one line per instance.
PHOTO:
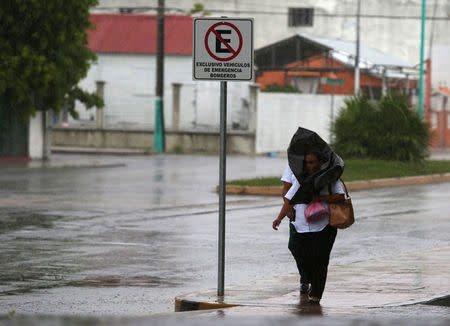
(44, 54)
(366, 169)
(178, 149)
(275, 88)
(387, 129)
(199, 8)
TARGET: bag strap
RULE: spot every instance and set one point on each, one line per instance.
(345, 188)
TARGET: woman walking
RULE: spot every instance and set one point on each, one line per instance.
(311, 241)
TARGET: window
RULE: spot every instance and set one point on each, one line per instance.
(300, 16)
(126, 10)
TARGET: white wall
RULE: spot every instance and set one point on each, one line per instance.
(130, 94)
(130, 88)
(280, 114)
(36, 137)
(200, 105)
(440, 66)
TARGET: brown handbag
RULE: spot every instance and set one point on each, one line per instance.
(341, 213)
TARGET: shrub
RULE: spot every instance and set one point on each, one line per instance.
(275, 88)
(386, 129)
(178, 149)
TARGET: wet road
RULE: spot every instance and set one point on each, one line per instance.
(127, 240)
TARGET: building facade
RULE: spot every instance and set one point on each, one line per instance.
(392, 26)
(126, 50)
(319, 65)
(125, 45)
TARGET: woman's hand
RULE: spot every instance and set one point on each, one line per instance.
(276, 223)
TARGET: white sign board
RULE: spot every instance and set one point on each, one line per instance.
(223, 49)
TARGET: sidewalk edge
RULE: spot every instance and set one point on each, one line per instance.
(189, 305)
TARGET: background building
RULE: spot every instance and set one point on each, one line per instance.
(127, 68)
(392, 26)
(126, 49)
(307, 63)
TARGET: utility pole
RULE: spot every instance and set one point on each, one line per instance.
(422, 45)
(159, 134)
(358, 16)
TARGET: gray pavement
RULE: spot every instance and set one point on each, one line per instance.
(221, 318)
(125, 240)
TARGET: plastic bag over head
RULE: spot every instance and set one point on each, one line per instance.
(305, 142)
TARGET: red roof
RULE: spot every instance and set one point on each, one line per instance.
(128, 33)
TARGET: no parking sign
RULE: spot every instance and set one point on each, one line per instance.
(223, 49)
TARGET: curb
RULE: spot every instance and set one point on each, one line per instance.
(97, 151)
(351, 185)
(189, 305)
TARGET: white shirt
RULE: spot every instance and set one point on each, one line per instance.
(288, 175)
(300, 223)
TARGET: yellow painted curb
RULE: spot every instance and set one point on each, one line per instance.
(352, 185)
(188, 305)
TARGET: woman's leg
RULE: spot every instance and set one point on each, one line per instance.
(304, 279)
(319, 277)
(321, 261)
(294, 248)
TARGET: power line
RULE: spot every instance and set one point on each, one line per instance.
(327, 15)
(258, 12)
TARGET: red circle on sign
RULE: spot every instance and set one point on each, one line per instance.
(235, 52)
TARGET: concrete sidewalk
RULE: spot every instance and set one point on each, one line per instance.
(399, 280)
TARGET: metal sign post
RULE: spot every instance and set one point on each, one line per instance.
(223, 51)
(222, 181)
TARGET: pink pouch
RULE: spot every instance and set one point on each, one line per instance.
(316, 211)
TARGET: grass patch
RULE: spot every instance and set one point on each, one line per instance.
(365, 169)
(260, 182)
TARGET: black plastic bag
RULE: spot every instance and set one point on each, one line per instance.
(302, 143)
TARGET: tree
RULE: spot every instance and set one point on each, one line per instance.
(44, 54)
